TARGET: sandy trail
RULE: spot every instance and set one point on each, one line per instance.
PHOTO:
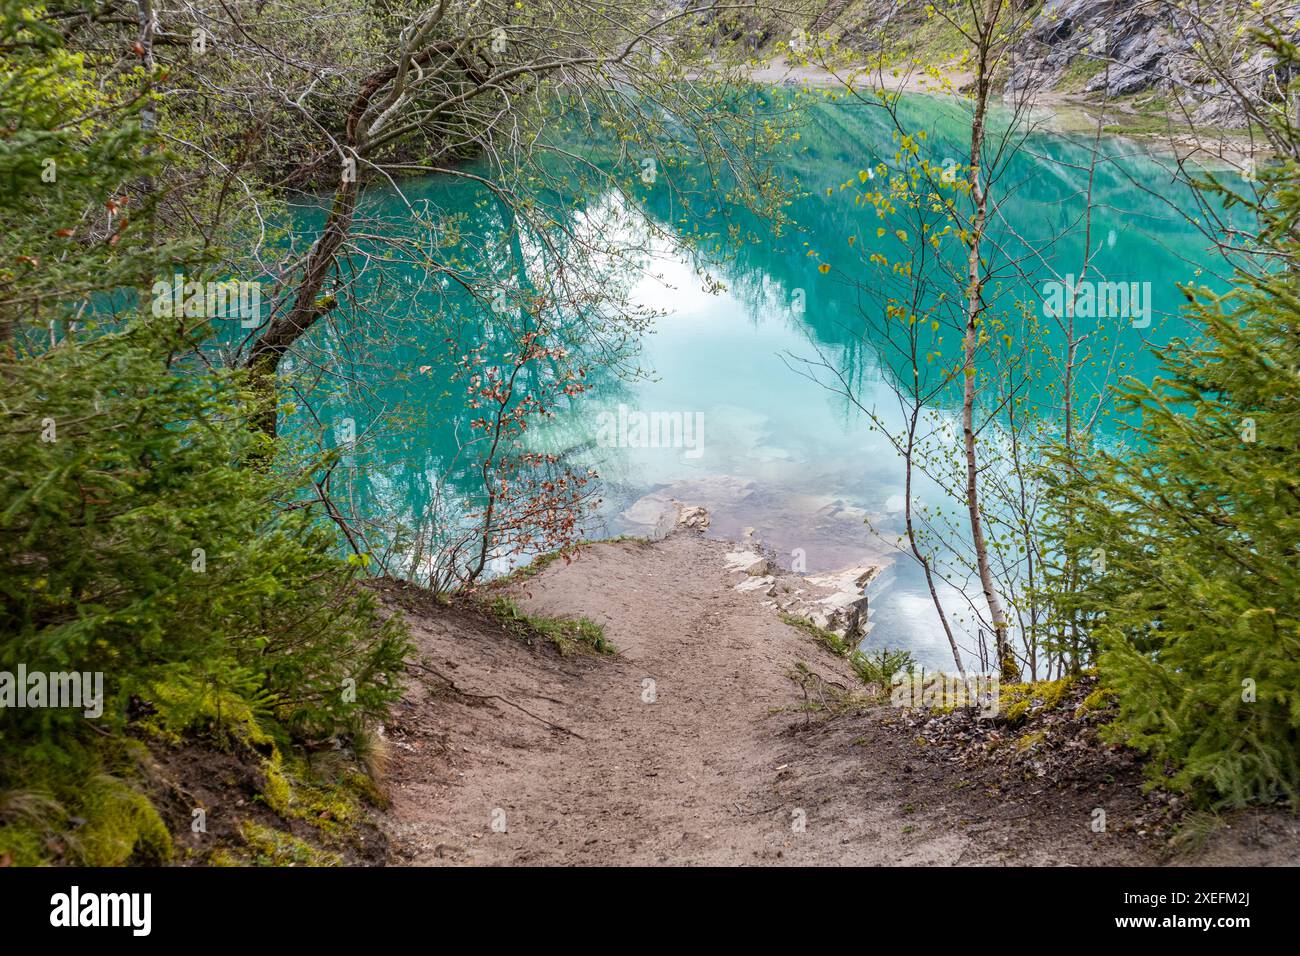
(712, 763)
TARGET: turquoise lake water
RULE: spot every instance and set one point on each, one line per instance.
(778, 454)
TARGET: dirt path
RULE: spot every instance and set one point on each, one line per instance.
(680, 744)
(713, 762)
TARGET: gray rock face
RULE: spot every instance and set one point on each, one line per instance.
(1125, 47)
(1126, 42)
(1114, 47)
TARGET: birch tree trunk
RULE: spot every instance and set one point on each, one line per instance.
(1008, 669)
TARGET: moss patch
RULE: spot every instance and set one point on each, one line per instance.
(90, 810)
(265, 846)
(277, 793)
(1021, 701)
(1100, 699)
(1079, 71)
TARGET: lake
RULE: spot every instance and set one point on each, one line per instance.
(731, 325)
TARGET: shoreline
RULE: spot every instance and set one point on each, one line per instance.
(1057, 111)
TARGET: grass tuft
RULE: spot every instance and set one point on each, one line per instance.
(827, 639)
(569, 635)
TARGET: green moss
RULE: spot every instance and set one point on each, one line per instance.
(1080, 70)
(332, 805)
(270, 847)
(276, 789)
(329, 793)
(121, 825)
(1020, 701)
(1099, 699)
(83, 810)
(366, 789)
(27, 821)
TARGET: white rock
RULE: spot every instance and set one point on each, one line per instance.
(846, 579)
(751, 562)
(693, 517)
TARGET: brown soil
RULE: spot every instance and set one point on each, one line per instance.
(228, 782)
(729, 761)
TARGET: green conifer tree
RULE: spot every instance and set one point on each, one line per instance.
(1189, 530)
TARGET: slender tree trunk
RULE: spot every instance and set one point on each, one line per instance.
(1007, 666)
(916, 550)
(145, 19)
(149, 115)
(486, 469)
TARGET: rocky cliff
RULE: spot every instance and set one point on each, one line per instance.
(1192, 58)
(1118, 48)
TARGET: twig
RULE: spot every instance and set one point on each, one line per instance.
(451, 683)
